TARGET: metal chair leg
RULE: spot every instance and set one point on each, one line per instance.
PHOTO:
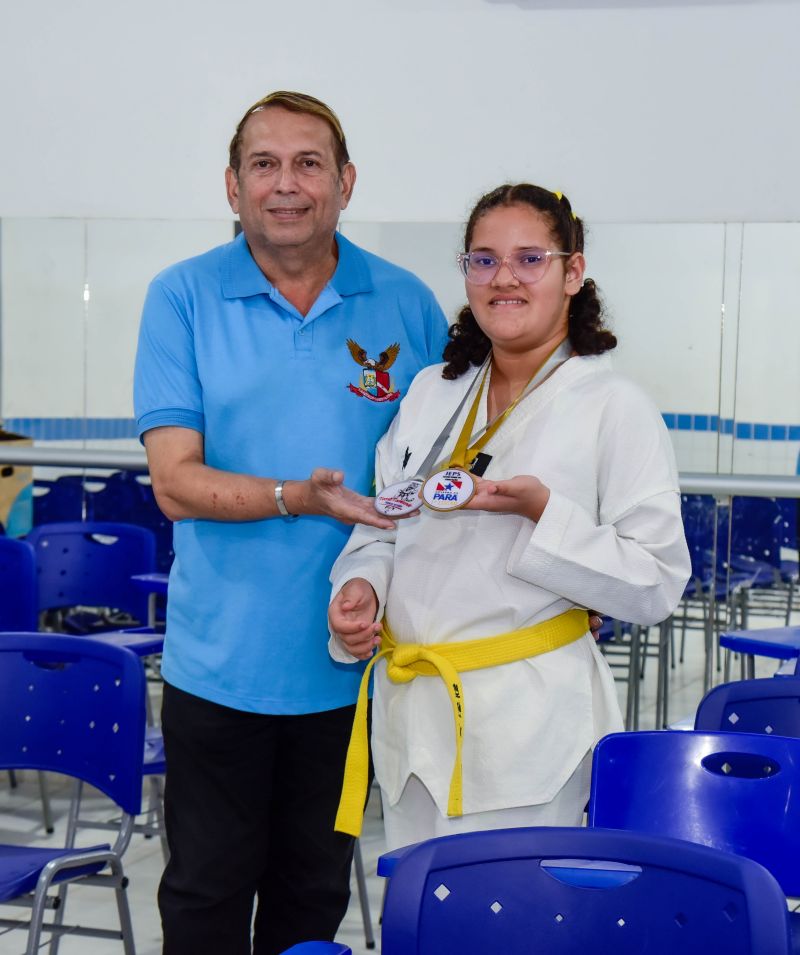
(47, 812)
(156, 811)
(69, 843)
(361, 882)
(664, 643)
(634, 679)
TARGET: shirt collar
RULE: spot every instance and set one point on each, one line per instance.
(241, 276)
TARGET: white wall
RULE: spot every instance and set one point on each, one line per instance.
(641, 111)
(671, 125)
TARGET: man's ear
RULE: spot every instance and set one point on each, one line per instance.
(232, 189)
(348, 182)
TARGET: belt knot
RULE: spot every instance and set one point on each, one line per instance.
(401, 660)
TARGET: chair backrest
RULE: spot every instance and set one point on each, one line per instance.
(752, 706)
(76, 706)
(561, 890)
(91, 563)
(68, 498)
(704, 523)
(790, 522)
(739, 792)
(18, 600)
(757, 529)
(128, 496)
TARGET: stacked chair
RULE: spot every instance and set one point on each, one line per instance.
(121, 496)
(77, 576)
(760, 527)
(730, 790)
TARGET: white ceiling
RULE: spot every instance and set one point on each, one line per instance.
(628, 4)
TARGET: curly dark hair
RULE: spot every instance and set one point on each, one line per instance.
(587, 333)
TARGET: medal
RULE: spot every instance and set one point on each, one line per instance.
(401, 498)
(449, 489)
(405, 497)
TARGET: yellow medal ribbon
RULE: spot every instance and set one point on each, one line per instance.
(406, 661)
(463, 453)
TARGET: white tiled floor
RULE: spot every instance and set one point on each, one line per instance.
(20, 820)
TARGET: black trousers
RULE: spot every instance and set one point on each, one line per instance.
(250, 804)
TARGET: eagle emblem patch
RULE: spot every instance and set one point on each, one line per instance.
(375, 383)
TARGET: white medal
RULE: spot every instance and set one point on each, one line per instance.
(401, 498)
(449, 489)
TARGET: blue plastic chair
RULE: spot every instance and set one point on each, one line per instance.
(143, 642)
(18, 597)
(752, 706)
(67, 498)
(789, 536)
(91, 563)
(757, 535)
(319, 948)
(128, 496)
(739, 792)
(75, 706)
(561, 890)
(19, 611)
(715, 588)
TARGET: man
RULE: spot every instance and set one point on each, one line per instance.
(259, 360)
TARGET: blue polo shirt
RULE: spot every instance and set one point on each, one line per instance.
(275, 394)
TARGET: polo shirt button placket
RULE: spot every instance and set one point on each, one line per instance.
(303, 338)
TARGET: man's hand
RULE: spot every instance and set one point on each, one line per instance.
(525, 495)
(324, 493)
(351, 617)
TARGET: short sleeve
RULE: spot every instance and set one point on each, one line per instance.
(166, 388)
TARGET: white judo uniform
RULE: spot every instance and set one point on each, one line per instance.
(610, 539)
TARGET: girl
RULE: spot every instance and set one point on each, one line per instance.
(554, 489)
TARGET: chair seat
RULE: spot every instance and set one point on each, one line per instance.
(144, 644)
(20, 867)
(155, 583)
(780, 643)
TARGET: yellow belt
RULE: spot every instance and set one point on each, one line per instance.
(405, 661)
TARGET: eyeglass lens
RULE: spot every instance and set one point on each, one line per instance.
(529, 265)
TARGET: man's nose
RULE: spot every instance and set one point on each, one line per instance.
(287, 179)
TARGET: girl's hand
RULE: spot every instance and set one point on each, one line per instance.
(525, 495)
(351, 617)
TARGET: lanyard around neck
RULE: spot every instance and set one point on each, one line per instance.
(465, 452)
(439, 443)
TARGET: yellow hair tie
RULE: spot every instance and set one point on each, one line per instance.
(560, 196)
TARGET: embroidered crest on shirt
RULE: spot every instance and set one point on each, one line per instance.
(375, 383)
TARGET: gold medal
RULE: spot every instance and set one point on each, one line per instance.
(449, 489)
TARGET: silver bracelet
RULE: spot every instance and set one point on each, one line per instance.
(283, 510)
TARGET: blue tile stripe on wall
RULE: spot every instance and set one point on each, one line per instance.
(744, 430)
(72, 429)
(109, 429)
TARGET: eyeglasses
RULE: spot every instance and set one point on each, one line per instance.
(527, 266)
